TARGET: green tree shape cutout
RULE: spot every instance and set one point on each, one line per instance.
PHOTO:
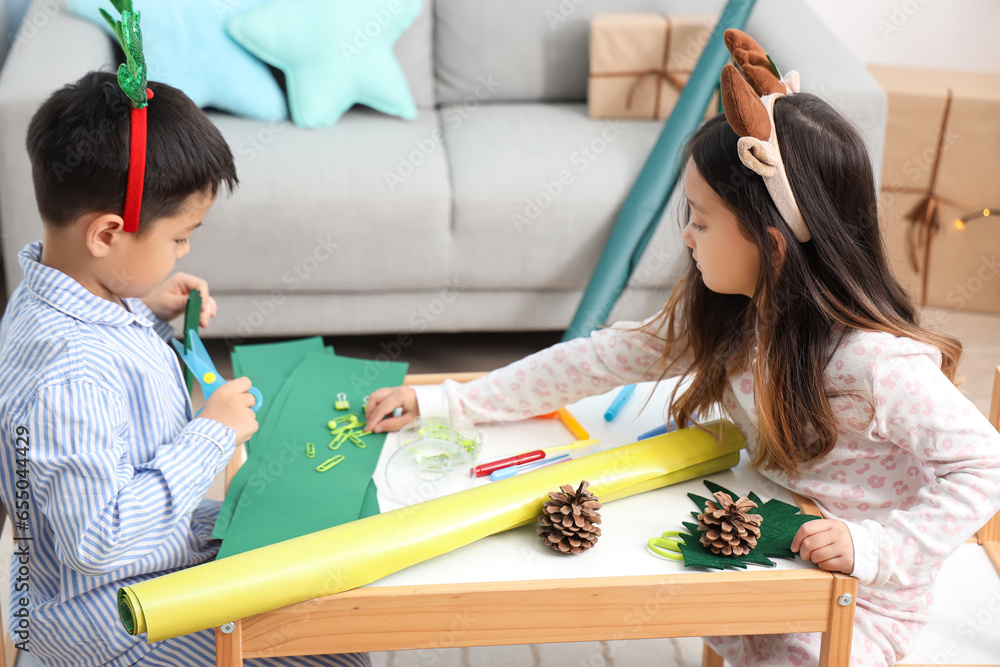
(132, 72)
(781, 522)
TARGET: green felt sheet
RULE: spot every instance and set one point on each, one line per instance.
(268, 366)
(777, 530)
(279, 494)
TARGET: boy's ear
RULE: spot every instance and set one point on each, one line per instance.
(780, 246)
(101, 232)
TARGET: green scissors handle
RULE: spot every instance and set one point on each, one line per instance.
(661, 546)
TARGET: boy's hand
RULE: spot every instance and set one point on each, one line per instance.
(170, 299)
(826, 542)
(383, 401)
(232, 405)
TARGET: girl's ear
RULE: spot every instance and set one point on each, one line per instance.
(780, 246)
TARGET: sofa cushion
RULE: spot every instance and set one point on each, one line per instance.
(342, 56)
(187, 47)
(315, 211)
(415, 53)
(537, 49)
(537, 190)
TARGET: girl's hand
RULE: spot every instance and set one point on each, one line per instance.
(826, 542)
(170, 299)
(383, 401)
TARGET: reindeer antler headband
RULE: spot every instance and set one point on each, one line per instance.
(748, 100)
(132, 80)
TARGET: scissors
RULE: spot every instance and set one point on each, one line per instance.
(204, 370)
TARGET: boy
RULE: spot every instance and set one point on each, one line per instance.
(100, 455)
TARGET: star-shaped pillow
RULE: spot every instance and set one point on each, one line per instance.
(334, 53)
(187, 47)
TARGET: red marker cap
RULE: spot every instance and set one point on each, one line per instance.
(486, 468)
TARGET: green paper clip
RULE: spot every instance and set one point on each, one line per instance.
(329, 463)
(310, 450)
(338, 441)
(667, 548)
(335, 423)
(342, 403)
(343, 429)
(357, 441)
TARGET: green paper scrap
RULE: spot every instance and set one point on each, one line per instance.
(279, 494)
(648, 197)
(192, 322)
(781, 522)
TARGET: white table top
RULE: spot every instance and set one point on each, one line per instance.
(628, 523)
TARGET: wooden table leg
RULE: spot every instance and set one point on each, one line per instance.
(709, 658)
(835, 648)
(229, 647)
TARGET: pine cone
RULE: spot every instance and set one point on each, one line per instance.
(728, 529)
(569, 520)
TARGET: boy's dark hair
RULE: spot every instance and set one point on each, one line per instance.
(78, 143)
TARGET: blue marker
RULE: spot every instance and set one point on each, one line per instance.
(620, 400)
(510, 471)
(659, 430)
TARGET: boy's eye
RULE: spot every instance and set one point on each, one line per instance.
(181, 241)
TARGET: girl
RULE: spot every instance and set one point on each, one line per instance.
(790, 319)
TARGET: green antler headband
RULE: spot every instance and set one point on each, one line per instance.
(132, 79)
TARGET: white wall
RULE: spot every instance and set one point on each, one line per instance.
(936, 34)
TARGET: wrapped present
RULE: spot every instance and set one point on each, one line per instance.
(941, 185)
(639, 63)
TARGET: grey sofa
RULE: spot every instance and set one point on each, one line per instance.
(454, 221)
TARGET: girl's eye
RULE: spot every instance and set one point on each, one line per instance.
(697, 227)
(181, 241)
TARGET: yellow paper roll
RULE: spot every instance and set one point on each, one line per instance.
(357, 553)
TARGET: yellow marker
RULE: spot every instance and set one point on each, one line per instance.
(208, 378)
(310, 450)
(329, 463)
(573, 445)
(960, 224)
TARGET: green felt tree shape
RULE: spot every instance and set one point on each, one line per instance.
(781, 522)
(132, 72)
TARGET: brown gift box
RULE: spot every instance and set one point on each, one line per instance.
(639, 63)
(942, 166)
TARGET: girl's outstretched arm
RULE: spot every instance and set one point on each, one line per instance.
(624, 353)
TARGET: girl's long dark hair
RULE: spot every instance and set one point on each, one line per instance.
(802, 305)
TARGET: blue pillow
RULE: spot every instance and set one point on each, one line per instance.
(334, 53)
(186, 46)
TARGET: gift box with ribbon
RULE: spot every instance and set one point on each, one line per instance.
(639, 63)
(939, 207)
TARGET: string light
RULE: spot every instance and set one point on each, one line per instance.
(962, 223)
